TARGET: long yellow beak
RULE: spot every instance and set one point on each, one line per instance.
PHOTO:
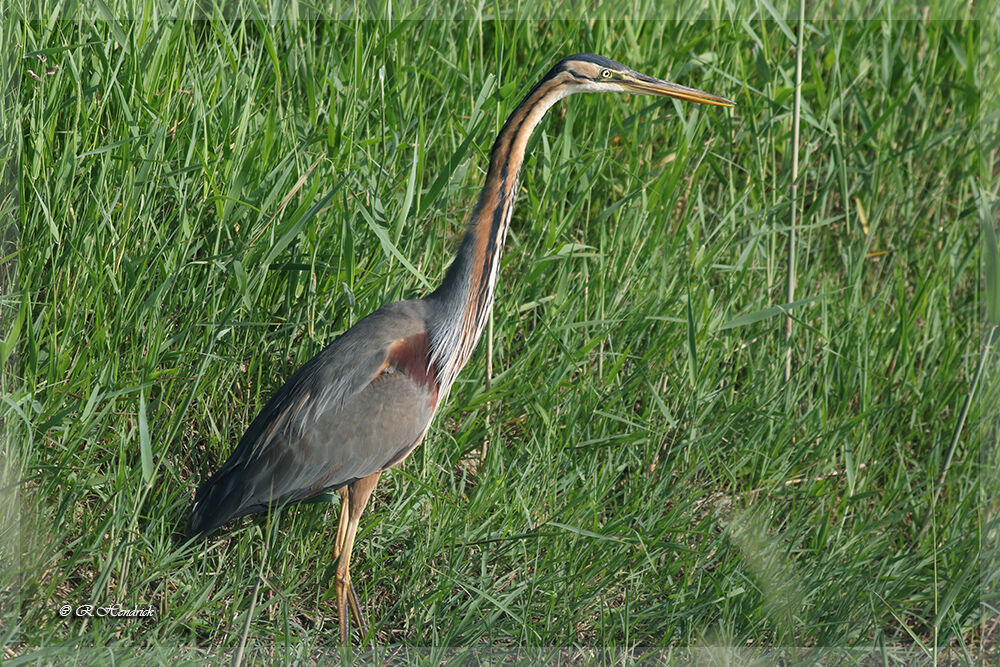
(647, 85)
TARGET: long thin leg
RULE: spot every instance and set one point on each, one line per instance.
(342, 527)
(358, 495)
(338, 547)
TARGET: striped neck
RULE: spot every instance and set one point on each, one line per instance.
(462, 302)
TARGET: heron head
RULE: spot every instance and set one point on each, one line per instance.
(585, 72)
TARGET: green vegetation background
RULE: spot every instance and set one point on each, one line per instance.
(199, 205)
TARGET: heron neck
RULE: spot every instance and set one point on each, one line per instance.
(463, 300)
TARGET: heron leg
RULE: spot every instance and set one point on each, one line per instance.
(357, 498)
(342, 526)
(338, 547)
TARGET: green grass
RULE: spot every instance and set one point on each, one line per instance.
(200, 205)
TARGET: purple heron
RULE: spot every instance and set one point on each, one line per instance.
(365, 402)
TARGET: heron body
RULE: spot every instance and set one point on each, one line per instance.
(364, 402)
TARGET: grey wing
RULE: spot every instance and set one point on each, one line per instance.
(357, 407)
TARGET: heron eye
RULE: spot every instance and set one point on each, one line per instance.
(606, 73)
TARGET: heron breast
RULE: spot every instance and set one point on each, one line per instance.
(412, 357)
